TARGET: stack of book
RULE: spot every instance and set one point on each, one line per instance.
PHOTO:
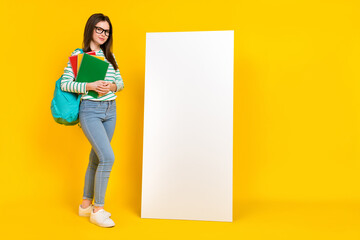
(88, 67)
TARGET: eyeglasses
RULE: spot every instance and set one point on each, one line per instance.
(100, 30)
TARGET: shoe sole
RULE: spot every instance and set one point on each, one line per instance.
(100, 224)
(84, 215)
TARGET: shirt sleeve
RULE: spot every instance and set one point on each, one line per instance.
(68, 83)
(118, 79)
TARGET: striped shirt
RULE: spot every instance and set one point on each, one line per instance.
(68, 83)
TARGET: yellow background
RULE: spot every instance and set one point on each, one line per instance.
(296, 118)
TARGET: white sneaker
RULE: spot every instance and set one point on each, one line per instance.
(85, 212)
(101, 219)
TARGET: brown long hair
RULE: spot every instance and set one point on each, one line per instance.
(88, 33)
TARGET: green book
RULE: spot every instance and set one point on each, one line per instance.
(91, 69)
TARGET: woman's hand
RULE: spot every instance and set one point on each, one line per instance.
(101, 87)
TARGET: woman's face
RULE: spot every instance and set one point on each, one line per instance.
(100, 39)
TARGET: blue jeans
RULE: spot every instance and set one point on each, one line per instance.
(98, 119)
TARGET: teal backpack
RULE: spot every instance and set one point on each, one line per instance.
(65, 105)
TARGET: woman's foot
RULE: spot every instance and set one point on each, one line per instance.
(86, 203)
(101, 218)
(97, 208)
(85, 212)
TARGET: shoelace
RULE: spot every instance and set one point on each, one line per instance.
(104, 217)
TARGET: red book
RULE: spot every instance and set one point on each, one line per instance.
(74, 60)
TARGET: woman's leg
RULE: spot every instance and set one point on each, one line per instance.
(88, 193)
(98, 121)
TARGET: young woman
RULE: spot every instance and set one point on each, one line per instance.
(97, 117)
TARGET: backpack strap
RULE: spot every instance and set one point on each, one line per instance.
(81, 51)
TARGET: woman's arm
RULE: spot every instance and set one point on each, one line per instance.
(119, 83)
(113, 87)
(67, 81)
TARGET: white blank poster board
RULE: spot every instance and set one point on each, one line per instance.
(188, 126)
